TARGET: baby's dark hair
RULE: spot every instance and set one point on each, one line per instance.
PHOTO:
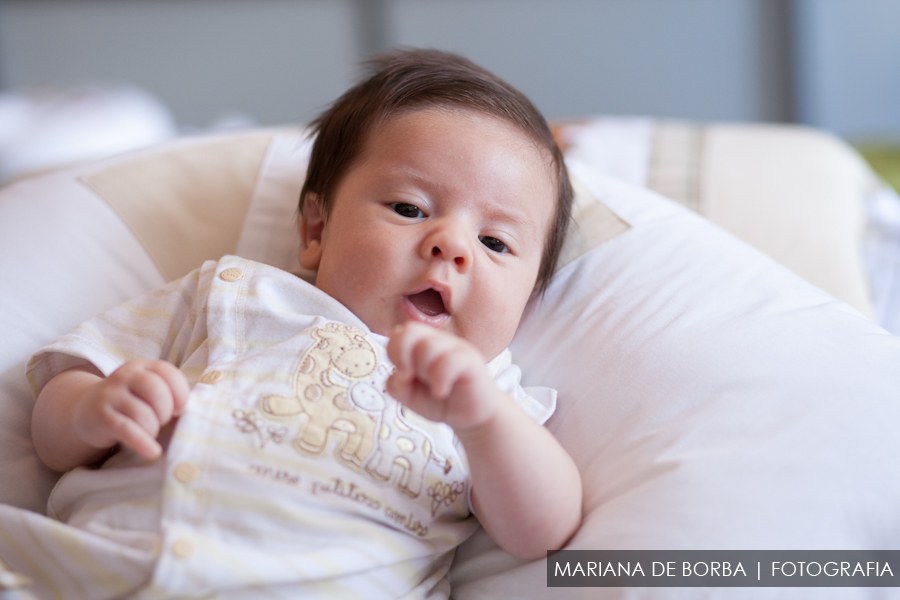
(406, 80)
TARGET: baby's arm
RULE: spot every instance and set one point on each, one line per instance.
(79, 415)
(526, 489)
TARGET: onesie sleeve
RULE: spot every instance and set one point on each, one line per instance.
(538, 402)
(168, 323)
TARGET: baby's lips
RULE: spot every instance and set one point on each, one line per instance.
(429, 302)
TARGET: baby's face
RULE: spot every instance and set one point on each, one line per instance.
(442, 220)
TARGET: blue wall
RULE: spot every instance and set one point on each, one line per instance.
(848, 66)
(834, 64)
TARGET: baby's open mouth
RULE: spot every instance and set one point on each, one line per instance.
(428, 302)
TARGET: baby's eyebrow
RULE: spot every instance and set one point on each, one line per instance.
(516, 218)
(510, 216)
(406, 171)
(399, 175)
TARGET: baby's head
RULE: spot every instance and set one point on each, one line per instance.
(435, 192)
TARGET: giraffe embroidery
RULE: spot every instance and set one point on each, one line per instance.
(337, 393)
(405, 447)
(338, 356)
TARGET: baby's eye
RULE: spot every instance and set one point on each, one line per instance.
(493, 243)
(410, 211)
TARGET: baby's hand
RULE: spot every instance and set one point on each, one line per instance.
(441, 377)
(130, 406)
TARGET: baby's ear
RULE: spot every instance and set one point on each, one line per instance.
(312, 222)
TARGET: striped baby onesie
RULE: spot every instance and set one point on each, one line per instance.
(291, 472)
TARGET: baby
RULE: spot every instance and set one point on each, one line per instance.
(257, 433)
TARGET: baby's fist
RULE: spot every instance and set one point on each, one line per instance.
(440, 376)
(131, 405)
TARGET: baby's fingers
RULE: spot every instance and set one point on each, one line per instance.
(132, 435)
(435, 358)
(157, 383)
(399, 349)
(176, 383)
(118, 419)
(441, 363)
(405, 349)
(417, 397)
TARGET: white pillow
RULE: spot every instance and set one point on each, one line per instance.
(64, 256)
(712, 400)
(77, 242)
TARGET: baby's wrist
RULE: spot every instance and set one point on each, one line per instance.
(483, 425)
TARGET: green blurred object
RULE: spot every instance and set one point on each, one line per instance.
(885, 160)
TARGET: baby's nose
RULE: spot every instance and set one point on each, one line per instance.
(449, 244)
(459, 260)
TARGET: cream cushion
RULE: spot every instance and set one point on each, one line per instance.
(795, 193)
(710, 397)
(811, 221)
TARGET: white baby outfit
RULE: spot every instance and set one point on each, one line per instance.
(290, 474)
